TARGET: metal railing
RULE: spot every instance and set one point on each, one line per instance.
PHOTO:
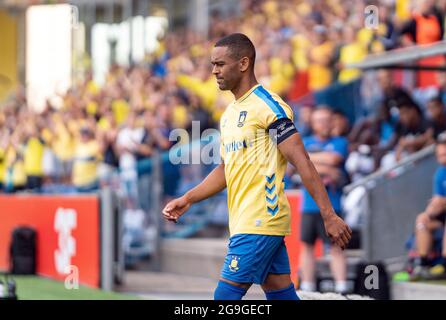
(382, 173)
(393, 199)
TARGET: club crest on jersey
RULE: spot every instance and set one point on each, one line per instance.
(233, 266)
(242, 118)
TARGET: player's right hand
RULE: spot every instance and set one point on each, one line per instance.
(176, 208)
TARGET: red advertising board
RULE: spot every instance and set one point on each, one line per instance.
(67, 233)
(292, 241)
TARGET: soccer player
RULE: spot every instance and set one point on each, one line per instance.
(258, 137)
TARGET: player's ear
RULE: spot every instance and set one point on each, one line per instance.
(244, 64)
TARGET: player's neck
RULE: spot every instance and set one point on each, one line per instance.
(244, 86)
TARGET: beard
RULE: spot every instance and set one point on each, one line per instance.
(222, 85)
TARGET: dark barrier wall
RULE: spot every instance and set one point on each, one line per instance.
(392, 206)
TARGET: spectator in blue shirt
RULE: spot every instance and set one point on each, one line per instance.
(431, 219)
(303, 120)
(328, 153)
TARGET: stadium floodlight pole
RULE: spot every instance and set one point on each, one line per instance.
(127, 12)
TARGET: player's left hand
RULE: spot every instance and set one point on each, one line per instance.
(338, 231)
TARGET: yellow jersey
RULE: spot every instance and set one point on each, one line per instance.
(254, 167)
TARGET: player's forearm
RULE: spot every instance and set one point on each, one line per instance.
(212, 184)
(294, 151)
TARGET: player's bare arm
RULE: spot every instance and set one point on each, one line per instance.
(212, 184)
(293, 150)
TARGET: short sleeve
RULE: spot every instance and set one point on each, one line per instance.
(273, 108)
(272, 115)
(279, 121)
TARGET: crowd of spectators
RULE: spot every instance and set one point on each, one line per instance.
(80, 142)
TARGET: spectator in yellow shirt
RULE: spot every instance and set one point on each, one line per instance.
(202, 84)
(87, 155)
(351, 52)
(14, 174)
(33, 158)
(320, 56)
(282, 70)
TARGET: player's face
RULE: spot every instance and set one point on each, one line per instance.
(225, 69)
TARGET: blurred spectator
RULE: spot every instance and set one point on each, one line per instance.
(320, 56)
(303, 124)
(107, 136)
(33, 157)
(393, 94)
(145, 147)
(328, 154)
(388, 13)
(351, 52)
(281, 69)
(14, 175)
(370, 139)
(63, 144)
(341, 125)
(413, 130)
(128, 140)
(163, 127)
(87, 155)
(426, 26)
(412, 133)
(441, 78)
(431, 219)
(171, 172)
(425, 17)
(437, 116)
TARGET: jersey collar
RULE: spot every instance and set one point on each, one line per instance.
(247, 94)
